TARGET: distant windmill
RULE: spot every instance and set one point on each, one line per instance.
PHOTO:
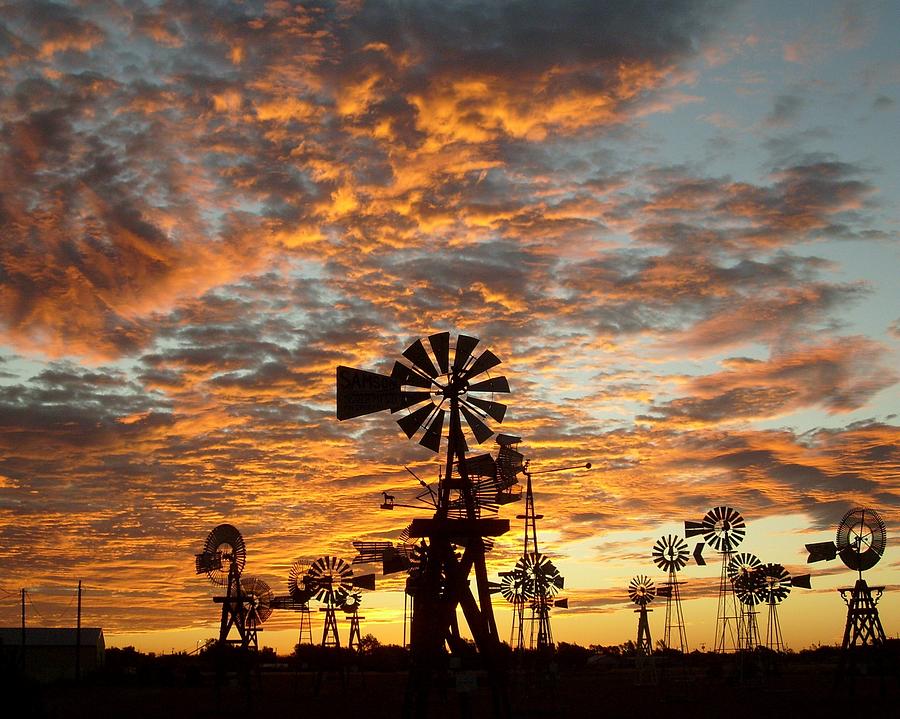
(670, 553)
(723, 529)
(777, 583)
(743, 571)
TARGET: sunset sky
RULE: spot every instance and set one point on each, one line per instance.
(675, 222)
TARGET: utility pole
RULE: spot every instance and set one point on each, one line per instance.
(23, 630)
(78, 637)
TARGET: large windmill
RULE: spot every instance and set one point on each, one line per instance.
(458, 394)
(723, 529)
(860, 543)
(670, 553)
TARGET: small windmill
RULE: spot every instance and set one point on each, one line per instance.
(743, 571)
(860, 543)
(300, 594)
(777, 583)
(641, 590)
(538, 577)
(330, 580)
(351, 608)
(670, 553)
(723, 529)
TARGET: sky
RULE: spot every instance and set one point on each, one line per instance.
(675, 223)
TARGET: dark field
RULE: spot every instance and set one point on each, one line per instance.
(697, 686)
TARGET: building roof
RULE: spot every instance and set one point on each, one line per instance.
(51, 636)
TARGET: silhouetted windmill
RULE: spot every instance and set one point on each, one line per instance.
(861, 539)
(435, 389)
(670, 553)
(641, 590)
(222, 560)
(300, 594)
(723, 529)
(743, 571)
(777, 583)
(538, 577)
(331, 582)
(351, 608)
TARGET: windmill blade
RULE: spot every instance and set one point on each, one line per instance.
(698, 555)
(485, 361)
(440, 345)
(408, 399)
(821, 551)
(360, 392)
(479, 428)
(464, 347)
(410, 423)
(417, 354)
(494, 410)
(364, 581)
(495, 384)
(559, 581)
(432, 437)
(403, 375)
(692, 529)
(802, 581)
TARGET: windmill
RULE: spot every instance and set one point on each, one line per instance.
(351, 608)
(534, 573)
(860, 542)
(670, 553)
(743, 571)
(435, 390)
(641, 590)
(299, 594)
(245, 603)
(723, 529)
(776, 585)
(330, 581)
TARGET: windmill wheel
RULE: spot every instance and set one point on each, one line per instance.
(297, 587)
(352, 602)
(723, 528)
(434, 381)
(741, 565)
(777, 583)
(257, 599)
(641, 590)
(541, 577)
(513, 587)
(224, 547)
(670, 553)
(861, 538)
(750, 586)
(330, 579)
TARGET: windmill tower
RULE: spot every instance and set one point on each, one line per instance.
(723, 529)
(641, 590)
(435, 390)
(776, 586)
(670, 553)
(860, 542)
(743, 571)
